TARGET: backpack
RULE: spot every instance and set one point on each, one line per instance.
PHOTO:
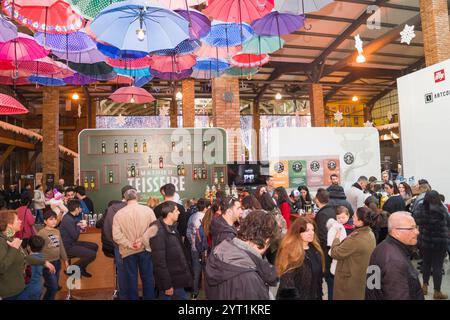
(201, 243)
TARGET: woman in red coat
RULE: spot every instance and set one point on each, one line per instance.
(284, 204)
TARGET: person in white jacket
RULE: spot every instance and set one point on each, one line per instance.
(355, 195)
(39, 204)
(342, 217)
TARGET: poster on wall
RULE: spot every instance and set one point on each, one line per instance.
(297, 173)
(330, 166)
(279, 171)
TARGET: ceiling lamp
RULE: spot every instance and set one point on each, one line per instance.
(360, 58)
(278, 96)
(179, 95)
(355, 99)
(75, 96)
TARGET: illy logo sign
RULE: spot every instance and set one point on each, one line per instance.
(439, 76)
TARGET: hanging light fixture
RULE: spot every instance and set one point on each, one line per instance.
(75, 96)
(278, 96)
(355, 99)
(132, 100)
(140, 33)
(360, 58)
(179, 95)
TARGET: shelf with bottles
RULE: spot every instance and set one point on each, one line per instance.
(133, 168)
(123, 145)
(89, 180)
(219, 175)
(111, 174)
(200, 172)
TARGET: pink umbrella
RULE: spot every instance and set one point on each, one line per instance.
(9, 105)
(23, 48)
(238, 11)
(14, 74)
(10, 81)
(249, 60)
(173, 63)
(179, 4)
(43, 66)
(121, 79)
(206, 51)
(129, 64)
(63, 70)
(6, 65)
(131, 95)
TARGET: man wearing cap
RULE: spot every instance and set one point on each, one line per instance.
(295, 200)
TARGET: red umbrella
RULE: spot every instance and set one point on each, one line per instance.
(23, 48)
(6, 65)
(44, 66)
(249, 60)
(9, 105)
(131, 95)
(206, 51)
(129, 64)
(173, 63)
(10, 81)
(121, 79)
(238, 11)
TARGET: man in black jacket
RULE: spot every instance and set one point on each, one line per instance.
(70, 232)
(235, 269)
(326, 212)
(171, 268)
(222, 227)
(395, 277)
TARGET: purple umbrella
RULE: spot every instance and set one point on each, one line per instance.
(183, 74)
(199, 24)
(79, 80)
(90, 56)
(8, 30)
(71, 42)
(276, 24)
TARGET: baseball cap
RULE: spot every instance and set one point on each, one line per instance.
(295, 193)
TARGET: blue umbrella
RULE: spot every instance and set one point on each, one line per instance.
(185, 47)
(72, 42)
(46, 81)
(8, 30)
(115, 53)
(133, 72)
(209, 64)
(142, 81)
(228, 34)
(141, 26)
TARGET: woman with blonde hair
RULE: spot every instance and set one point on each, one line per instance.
(153, 202)
(300, 263)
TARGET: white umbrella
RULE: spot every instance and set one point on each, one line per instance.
(300, 6)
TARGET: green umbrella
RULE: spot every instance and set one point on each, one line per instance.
(241, 72)
(263, 44)
(91, 69)
(90, 8)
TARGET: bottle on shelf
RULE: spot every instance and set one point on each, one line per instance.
(183, 171)
(222, 178)
(135, 146)
(207, 192)
(133, 170)
(204, 145)
(86, 183)
(92, 183)
(125, 147)
(195, 174)
(214, 191)
(161, 162)
(103, 146)
(144, 146)
(179, 170)
(111, 176)
(204, 173)
(116, 146)
(150, 161)
(216, 178)
(173, 145)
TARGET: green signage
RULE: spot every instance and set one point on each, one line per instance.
(297, 173)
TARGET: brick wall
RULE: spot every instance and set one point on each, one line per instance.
(188, 90)
(317, 105)
(436, 34)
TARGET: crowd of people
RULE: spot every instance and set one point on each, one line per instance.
(268, 245)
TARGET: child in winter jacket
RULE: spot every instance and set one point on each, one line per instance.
(342, 217)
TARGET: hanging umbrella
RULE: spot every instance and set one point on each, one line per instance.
(90, 56)
(300, 6)
(211, 64)
(49, 16)
(64, 70)
(16, 73)
(199, 24)
(121, 79)
(133, 72)
(129, 64)
(105, 77)
(179, 4)
(131, 95)
(276, 24)
(6, 65)
(185, 47)
(263, 44)
(238, 10)
(138, 25)
(22, 48)
(79, 80)
(93, 69)
(172, 64)
(206, 51)
(9, 105)
(43, 66)
(11, 82)
(8, 30)
(142, 81)
(249, 60)
(72, 42)
(90, 8)
(116, 53)
(241, 72)
(228, 34)
(206, 74)
(172, 76)
(47, 81)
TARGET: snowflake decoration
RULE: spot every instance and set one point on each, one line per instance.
(358, 43)
(390, 116)
(120, 120)
(368, 124)
(407, 34)
(164, 111)
(79, 110)
(338, 116)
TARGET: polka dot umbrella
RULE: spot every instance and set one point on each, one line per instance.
(73, 42)
(9, 105)
(238, 10)
(90, 8)
(228, 34)
(249, 60)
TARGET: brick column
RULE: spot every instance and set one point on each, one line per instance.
(227, 114)
(50, 132)
(256, 129)
(188, 90)
(173, 112)
(435, 30)
(316, 105)
(71, 137)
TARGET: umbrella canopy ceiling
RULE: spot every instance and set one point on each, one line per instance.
(9, 105)
(238, 11)
(131, 95)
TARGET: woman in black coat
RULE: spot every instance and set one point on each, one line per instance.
(434, 222)
(395, 202)
(300, 273)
